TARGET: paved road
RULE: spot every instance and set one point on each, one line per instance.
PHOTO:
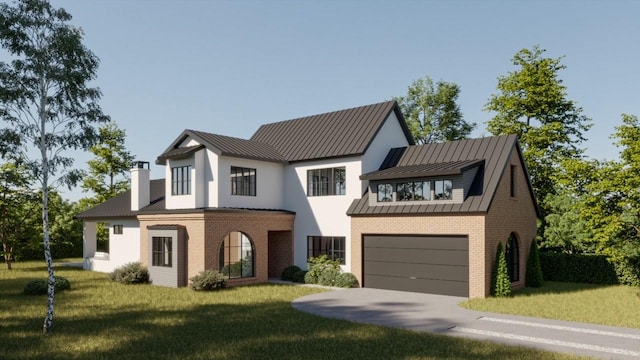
(441, 314)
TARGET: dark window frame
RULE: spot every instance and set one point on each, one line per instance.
(444, 188)
(240, 271)
(181, 180)
(243, 181)
(512, 183)
(118, 229)
(332, 246)
(413, 191)
(388, 193)
(327, 181)
(162, 251)
(512, 254)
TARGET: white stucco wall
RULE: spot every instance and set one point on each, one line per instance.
(269, 184)
(320, 215)
(123, 248)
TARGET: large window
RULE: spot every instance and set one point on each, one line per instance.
(243, 181)
(161, 251)
(236, 256)
(332, 246)
(181, 180)
(323, 182)
(385, 192)
(413, 191)
(443, 189)
(513, 258)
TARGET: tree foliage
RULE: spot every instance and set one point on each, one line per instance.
(532, 103)
(432, 113)
(534, 269)
(108, 170)
(45, 100)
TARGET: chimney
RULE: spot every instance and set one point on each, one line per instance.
(140, 188)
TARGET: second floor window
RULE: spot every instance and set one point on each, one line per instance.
(181, 180)
(329, 181)
(443, 189)
(243, 181)
(414, 191)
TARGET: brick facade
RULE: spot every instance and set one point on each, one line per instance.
(205, 232)
(484, 230)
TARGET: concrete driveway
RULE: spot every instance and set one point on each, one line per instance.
(441, 315)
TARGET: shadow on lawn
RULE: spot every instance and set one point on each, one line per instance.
(270, 330)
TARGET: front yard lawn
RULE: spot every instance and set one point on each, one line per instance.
(614, 305)
(99, 319)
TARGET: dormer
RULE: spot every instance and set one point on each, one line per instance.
(423, 184)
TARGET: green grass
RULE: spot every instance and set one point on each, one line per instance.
(614, 305)
(99, 319)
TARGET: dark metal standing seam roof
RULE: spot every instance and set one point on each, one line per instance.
(494, 151)
(335, 134)
(422, 170)
(120, 206)
(225, 145)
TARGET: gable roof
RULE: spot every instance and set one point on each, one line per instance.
(447, 158)
(120, 206)
(334, 134)
(223, 145)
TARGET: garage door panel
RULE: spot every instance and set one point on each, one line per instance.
(428, 264)
(443, 272)
(418, 256)
(454, 288)
(419, 242)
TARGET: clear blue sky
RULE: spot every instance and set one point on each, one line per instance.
(227, 67)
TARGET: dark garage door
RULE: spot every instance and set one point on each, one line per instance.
(426, 264)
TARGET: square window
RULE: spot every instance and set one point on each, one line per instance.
(328, 181)
(332, 246)
(385, 192)
(243, 181)
(117, 229)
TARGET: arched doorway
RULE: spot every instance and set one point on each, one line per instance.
(237, 256)
(513, 258)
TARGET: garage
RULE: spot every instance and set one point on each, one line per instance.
(426, 264)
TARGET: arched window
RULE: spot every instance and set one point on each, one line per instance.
(236, 256)
(513, 258)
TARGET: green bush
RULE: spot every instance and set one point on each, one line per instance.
(131, 273)
(40, 286)
(320, 265)
(299, 276)
(579, 268)
(288, 272)
(208, 280)
(500, 283)
(628, 270)
(328, 276)
(347, 280)
(534, 271)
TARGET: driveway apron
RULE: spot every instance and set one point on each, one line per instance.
(441, 315)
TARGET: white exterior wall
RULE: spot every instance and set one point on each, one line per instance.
(269, 184)
(390, 136)
(123, 248)
(320, 215)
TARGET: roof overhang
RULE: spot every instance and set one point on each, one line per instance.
(423, 170)
(178, 153)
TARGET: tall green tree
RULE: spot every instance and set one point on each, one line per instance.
(432, 113)
(17, 203)
(532, 103)
(109, 169)
(46, 101)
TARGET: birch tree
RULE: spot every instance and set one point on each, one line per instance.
(46, 102)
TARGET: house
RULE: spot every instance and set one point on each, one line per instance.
(350, 184)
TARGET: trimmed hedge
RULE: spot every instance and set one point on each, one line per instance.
(208, 280)
(590, 269)
(299, 276)
(288, 272)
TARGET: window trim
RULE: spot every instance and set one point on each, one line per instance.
(162, 251)
(330, 181)
(118, 229)
(181, 180)
(334, 248)
(435, 189)
(241, 183)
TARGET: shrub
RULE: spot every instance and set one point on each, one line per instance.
(628, 270)
(40, 286)
(322, 270)
(500, 284)
(288, 272)
(299, 276)
(328, 276)
(579, 268)
(208, 280)
(347, 280)
(131, 273)
(534, 271)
